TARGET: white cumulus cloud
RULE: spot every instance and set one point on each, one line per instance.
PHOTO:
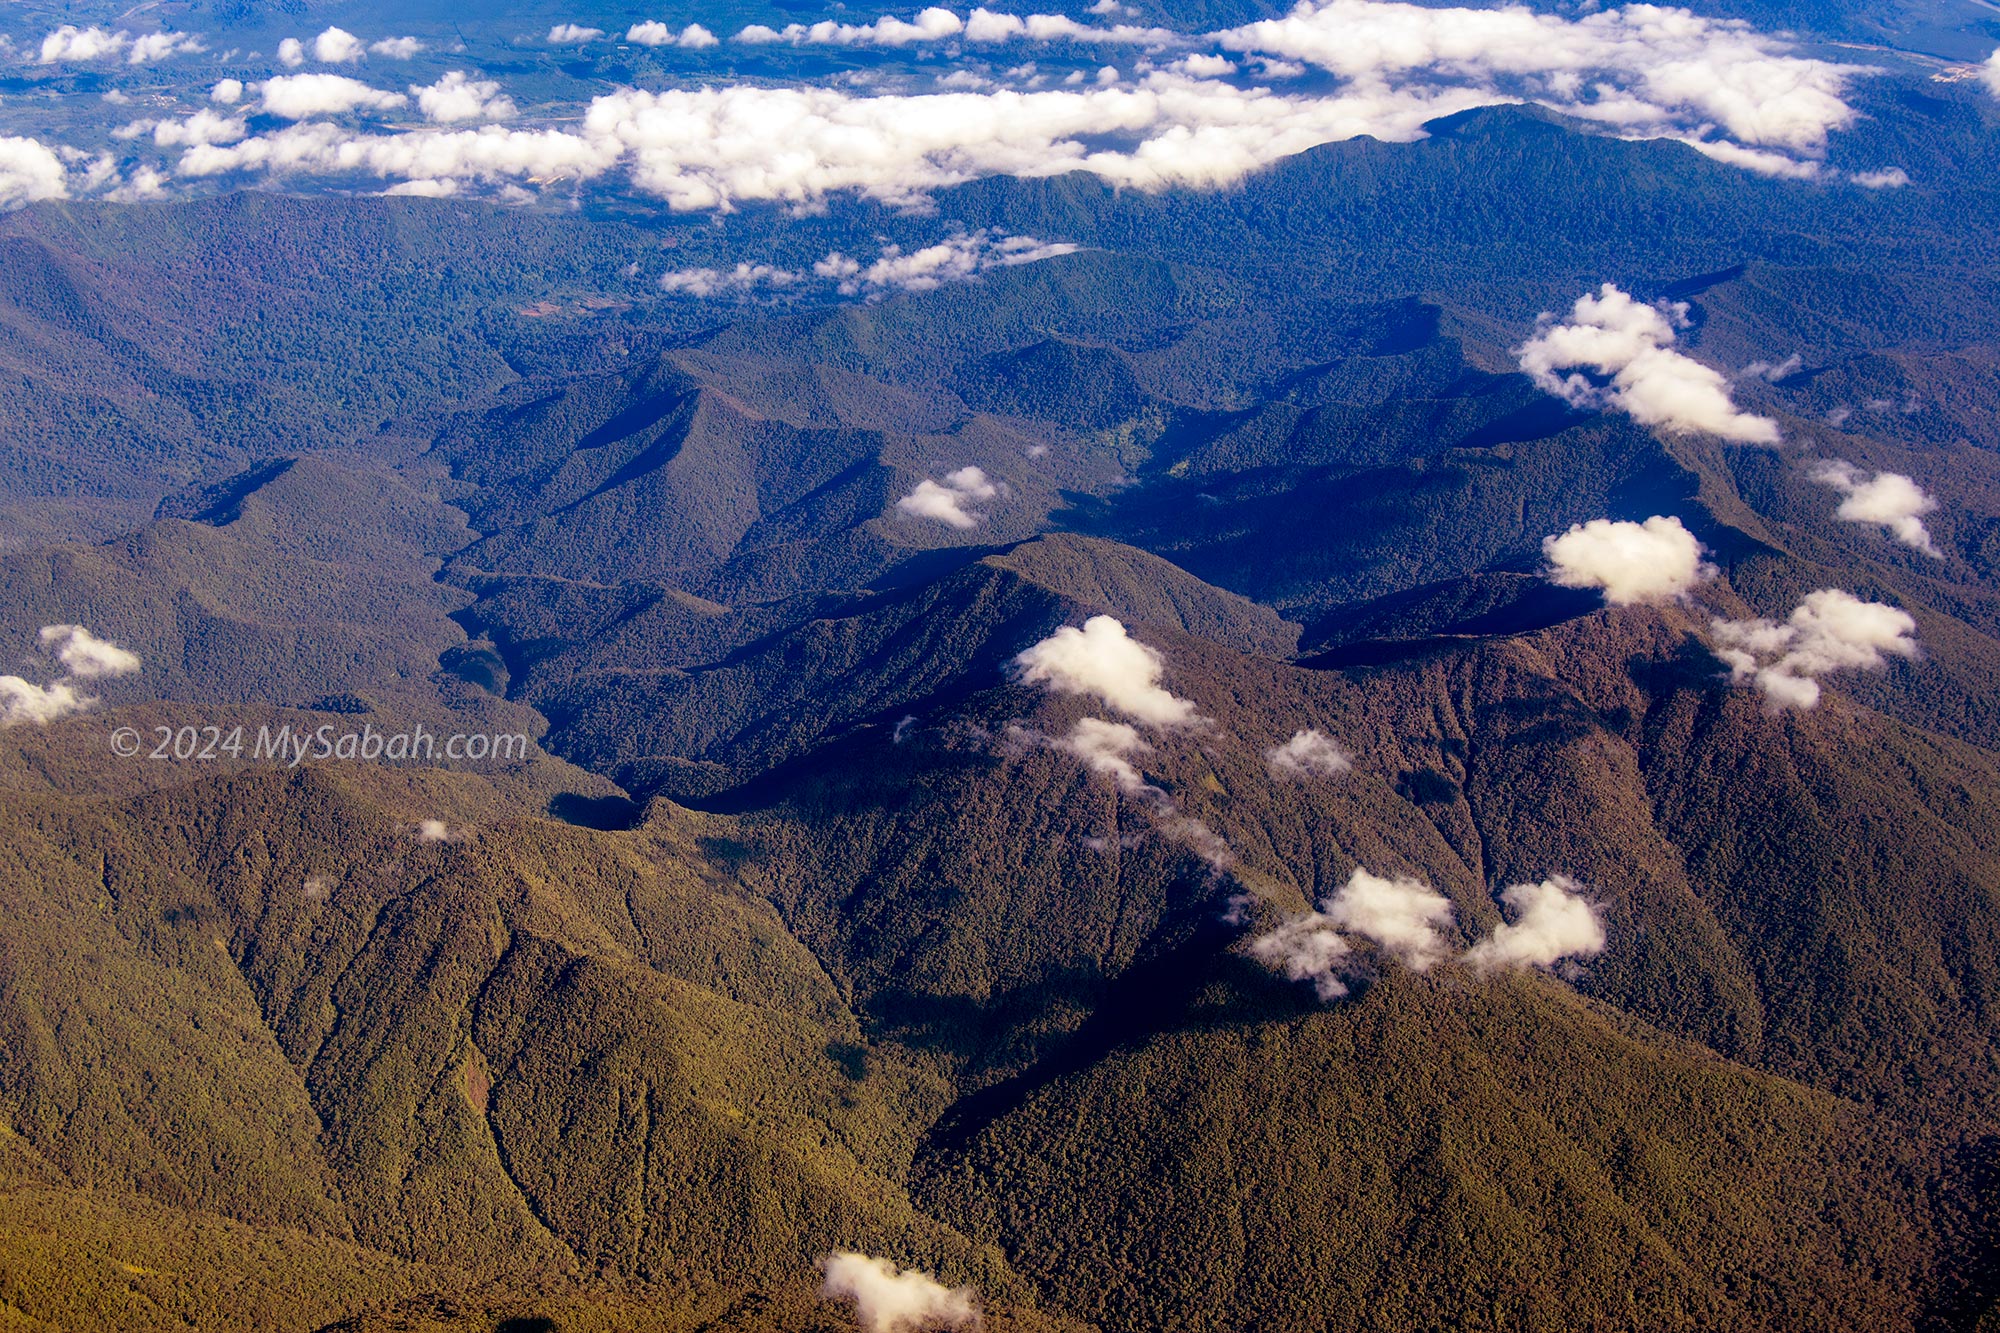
(1402, 915)
(1308, 753)
(573, 34)
(1552, 921)
(1628, 347)
(1888, 500)
(457, 96)
(946, 501)
(1655, 561)
(337, 46)
(302, 96)
(887, 1300)
(1831, 630)
(396, 48)
(291, 53)
(30, 170)
(1103, 661)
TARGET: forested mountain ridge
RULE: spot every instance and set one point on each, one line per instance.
(838, 905)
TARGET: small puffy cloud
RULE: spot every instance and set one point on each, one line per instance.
(573, 34)
(1308, 754)
(945, 501)
(337, 46)
(291, 53)
(227, 91)
(1888, 178)
(650, 33)
(1306, 948)
(1888, 499)
(1989, 73)
(302, 96)
(1830, 630)
(29, 170)
(396, 48)
(1104, 748)
(456, 97)
(86, 656)
(694, 37)
(1204, 66)
(1552, 921)
(1776, 372)
(1402, 915)
(1101, 660)
(1655, 561)
(432, 831)
(886, 1300)
(1628, 348)
(738, 281)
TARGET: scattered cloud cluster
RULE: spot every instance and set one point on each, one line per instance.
(742, 280)
(70, 44)
(886, 1300)
(946, 501)
(954, 259)
(1103, 661)
(1408, 920)
(1614, 351)
(1552, 922)
(83, 657)
(694, 37)
(1655, 561)
(1831, 630)
(957, 258)
(931, 25)
(1308, 753)
(1888, 500)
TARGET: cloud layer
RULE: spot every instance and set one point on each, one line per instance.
(1613, 351)
(1655, 561)
(1830, 630)
(1192, 121)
